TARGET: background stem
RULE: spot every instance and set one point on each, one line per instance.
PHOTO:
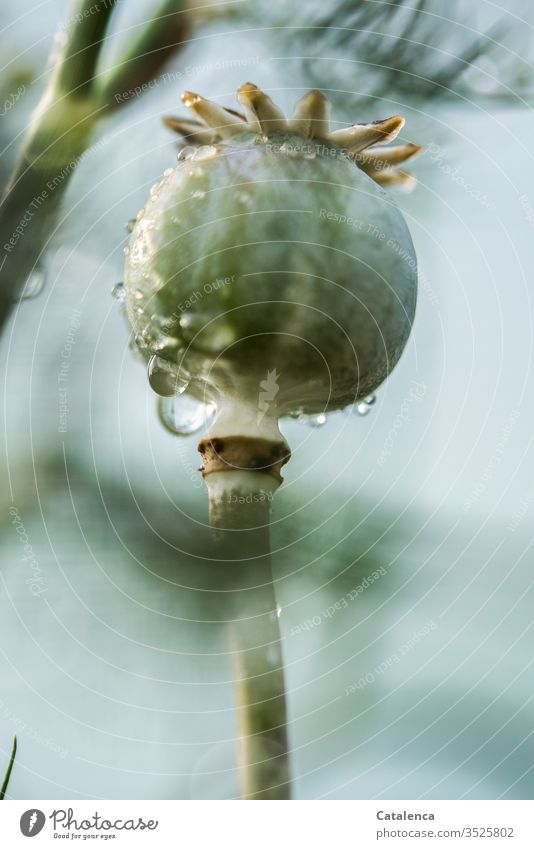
(79, 94)
(239, 515)
(3, 788)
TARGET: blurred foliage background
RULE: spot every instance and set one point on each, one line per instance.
(114, 676)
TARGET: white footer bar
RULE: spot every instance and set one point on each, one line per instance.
(262, 825)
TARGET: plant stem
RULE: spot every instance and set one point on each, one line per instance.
(58, 134)
(61, 128)
(239, 515)
(160, 37)
(3, 788)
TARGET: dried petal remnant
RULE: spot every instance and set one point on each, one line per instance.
(363, 143)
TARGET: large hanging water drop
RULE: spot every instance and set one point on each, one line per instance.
(184, 415)
(164, 378)
(34, 284)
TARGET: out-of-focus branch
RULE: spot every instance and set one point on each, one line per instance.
(160, 38)
(61, 128)
(5, 782)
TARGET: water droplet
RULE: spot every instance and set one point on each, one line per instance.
(168, 172)
(312, 421)
(364, 407)
(140, 341)
(138, 295)
(244, 197)
(205, 151)
(34, 284)
(186, 153)
(278, 611)
(191, 324)
(296, 414)
(130, 224)
(167, 344)
(118, 292)
(183, 414)
(199, 194)
(164, 378)
(140, 214)
(126, 251)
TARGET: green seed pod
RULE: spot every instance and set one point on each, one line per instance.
(272, 249)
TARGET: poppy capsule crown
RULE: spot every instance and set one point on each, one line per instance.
(366, 144)
(271, 248)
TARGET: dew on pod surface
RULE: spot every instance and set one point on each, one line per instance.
(312, 421)
(118, 292)
(206, 151)
(185, 153)
(363, 408)
(34, 284)
(168, 344)
(184, 415)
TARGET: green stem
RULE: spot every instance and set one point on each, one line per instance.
(160, 37)
(239, 514)
(3, 788)
(86, 30)
(58, 134)
(61, 129)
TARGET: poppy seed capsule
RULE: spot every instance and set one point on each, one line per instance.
(271, 254)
